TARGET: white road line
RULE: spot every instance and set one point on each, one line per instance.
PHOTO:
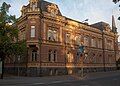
(38, 83)
(57, 81)
(115, 79)
(85, 85)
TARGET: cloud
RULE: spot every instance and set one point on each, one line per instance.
(94, 10)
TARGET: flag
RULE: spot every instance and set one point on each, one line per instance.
(86, 20)
(81, 50)
(118, 18)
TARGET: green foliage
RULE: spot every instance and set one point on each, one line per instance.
(9, 34)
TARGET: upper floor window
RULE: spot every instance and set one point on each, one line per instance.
(49, 34)
(32, 31)
(67, 38)
(53, 12)
(99, 43)
(109, 44)
(33, 7)
(52, 35)
(77, 40)
(93, 44)
(86, 41)
(55, 35)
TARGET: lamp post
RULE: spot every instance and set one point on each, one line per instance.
(0, 66)
(103, 52)
(81, 53)
(18, 64)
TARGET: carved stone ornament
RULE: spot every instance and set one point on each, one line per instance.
(52, 8)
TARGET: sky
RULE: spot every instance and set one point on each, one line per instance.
(93, 10)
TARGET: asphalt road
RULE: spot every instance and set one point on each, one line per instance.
(92, 79)
(105, 81)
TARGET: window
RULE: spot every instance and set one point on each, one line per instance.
(53, 13)
(67, 38)
(86, 41)
(99, 43)
(34, 55)
(78, 58)
(52, 56)
(77, 40)
(32, 31)
(109, 44)
(52, 35)
(55, 54)
(93, 42)
(49, 34)
(23, 35)
(33, 7)
(69, 57)
(55, 35)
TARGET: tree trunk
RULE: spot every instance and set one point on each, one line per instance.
(2, 67)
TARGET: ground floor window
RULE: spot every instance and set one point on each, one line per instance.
(34, 55)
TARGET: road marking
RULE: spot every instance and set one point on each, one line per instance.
(50, 82)
(115, 79)
(57, 81)
(85, 85)
(38, 83)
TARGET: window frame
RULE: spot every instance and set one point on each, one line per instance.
(32, 34)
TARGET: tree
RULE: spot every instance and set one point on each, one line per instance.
(116, 1)
(9, 44)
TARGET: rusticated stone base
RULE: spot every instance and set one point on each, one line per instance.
(37, 72)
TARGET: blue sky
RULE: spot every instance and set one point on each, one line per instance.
(94, 10)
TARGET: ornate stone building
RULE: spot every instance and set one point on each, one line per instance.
(53, 40)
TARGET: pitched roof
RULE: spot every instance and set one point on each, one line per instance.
(100, 25)
(44, 4)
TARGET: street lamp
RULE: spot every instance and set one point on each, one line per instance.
(0, 66)
(81, 53)
(18, 63)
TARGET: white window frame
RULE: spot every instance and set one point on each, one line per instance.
(86, 41)
(32, 31)
(49, 34)
(93, 42)
(55, 35)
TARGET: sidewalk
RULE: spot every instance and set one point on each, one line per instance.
(14, 80)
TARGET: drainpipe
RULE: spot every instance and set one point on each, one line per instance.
(103, 51)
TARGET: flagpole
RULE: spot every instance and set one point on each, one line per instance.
(82, 70)
(81, 53)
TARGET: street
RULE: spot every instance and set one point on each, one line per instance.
(91, 79)
(107, 81)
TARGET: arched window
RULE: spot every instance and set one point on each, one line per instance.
(78, 58)
(55, 55)
(34, 55)
(49, 55)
